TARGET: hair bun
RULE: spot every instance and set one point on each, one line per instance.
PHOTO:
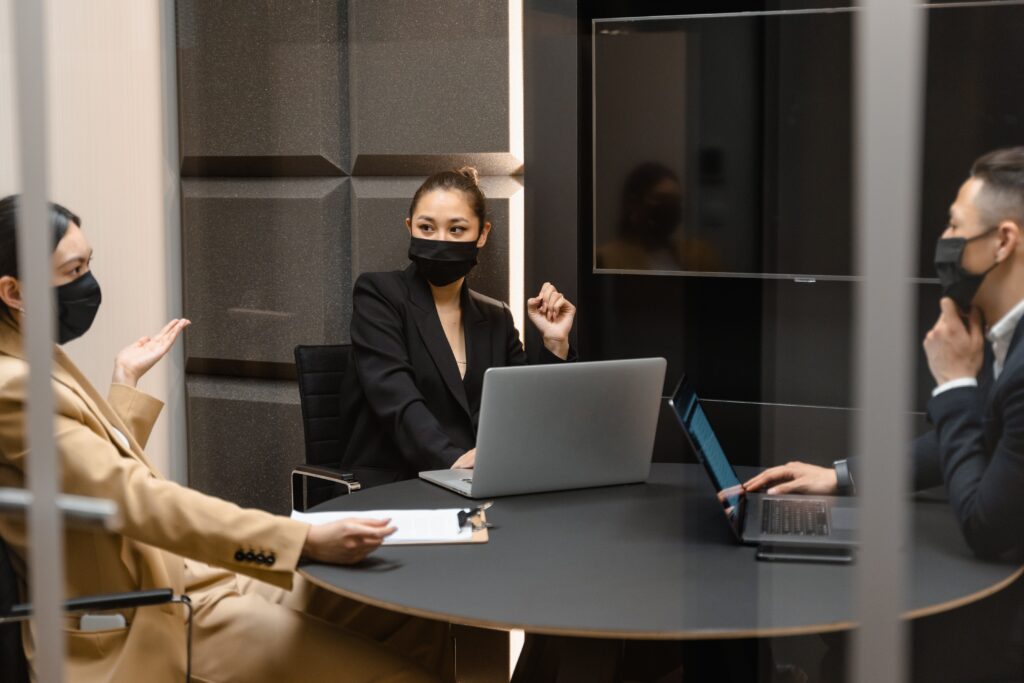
(470, 173)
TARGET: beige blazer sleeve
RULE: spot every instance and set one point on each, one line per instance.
(136, 409)
(155, 511)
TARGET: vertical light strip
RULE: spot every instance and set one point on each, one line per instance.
(177, 454)
(516, 136)
(45, 550)
(889, 43)
(516, 640)
(516, 204)
(517, 258)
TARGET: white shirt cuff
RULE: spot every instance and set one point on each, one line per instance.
(955, 384)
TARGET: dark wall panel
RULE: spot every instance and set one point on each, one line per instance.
(244, 438)
(266, 266)
(744, 339)
(550, 64)
(280, 102)
(262, 87)
(430, 86)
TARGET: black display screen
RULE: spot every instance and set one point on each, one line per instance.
(722, 143)
(710, 453)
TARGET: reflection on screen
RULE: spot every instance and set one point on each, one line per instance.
(714, 135)
(709, 451)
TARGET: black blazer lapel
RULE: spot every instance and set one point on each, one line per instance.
(478, 339)
(429, 325)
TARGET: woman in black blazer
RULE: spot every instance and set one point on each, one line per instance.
(422, 339)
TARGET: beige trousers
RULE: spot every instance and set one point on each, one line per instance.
(249, 631)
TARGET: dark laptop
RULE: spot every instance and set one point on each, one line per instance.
(757, 518)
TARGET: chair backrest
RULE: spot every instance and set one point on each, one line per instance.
(12, 656)
(320, 369)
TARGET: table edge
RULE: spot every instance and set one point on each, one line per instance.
(704, 634)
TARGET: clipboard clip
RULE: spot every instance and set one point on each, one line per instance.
(476, 517)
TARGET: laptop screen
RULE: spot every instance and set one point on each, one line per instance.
(698, 430)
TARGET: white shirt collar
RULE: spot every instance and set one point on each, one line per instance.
(1001, 334)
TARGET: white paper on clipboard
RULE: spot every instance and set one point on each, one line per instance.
(413, 526)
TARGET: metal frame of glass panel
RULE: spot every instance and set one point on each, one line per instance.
(46, 550)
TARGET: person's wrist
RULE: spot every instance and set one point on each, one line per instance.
(124, 376)
(959, 375)
(311, 548)
(557, 346)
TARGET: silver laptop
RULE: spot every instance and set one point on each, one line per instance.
(557, 427)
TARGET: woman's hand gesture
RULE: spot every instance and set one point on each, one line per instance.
(135, 360)
(552, 314)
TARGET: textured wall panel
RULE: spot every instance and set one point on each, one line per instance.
(244, 438)
(380, 240)
(266, 266)
(262, 87)
(430, 86)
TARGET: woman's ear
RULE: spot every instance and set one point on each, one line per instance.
(484, 232)
(408, 226)
(10, 293)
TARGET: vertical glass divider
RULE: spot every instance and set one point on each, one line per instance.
(45, 547)
(889, 47)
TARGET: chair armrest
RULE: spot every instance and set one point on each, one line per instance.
(78, 511)
(302, 474)
(329, 473)
(101, 603)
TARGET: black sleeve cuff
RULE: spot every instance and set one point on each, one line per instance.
(547, 357)
(844, 478)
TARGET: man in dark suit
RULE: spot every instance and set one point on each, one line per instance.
(976, 448)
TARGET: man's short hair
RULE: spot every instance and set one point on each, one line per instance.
(1002, 193)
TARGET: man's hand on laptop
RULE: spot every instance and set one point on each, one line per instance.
(795, 477)
(465, 461)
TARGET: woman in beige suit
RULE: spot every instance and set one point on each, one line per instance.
(255, 620)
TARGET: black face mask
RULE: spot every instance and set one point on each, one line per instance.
(440, 261)
(957, 283)
(662, 217)
(77, 304)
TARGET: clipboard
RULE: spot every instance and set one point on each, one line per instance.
(418, 527)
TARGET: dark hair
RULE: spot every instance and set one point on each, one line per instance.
(466, 180)
(60, 217)
(1002, 172)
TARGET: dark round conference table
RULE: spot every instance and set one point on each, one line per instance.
(642, 561)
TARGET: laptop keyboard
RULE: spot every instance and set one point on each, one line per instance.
(794, 517)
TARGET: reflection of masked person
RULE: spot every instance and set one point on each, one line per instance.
(659, 216)
(650, 234)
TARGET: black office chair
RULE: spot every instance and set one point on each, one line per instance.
(320, 369)
(12, 655)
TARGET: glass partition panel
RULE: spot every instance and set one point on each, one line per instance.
(722, 142)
